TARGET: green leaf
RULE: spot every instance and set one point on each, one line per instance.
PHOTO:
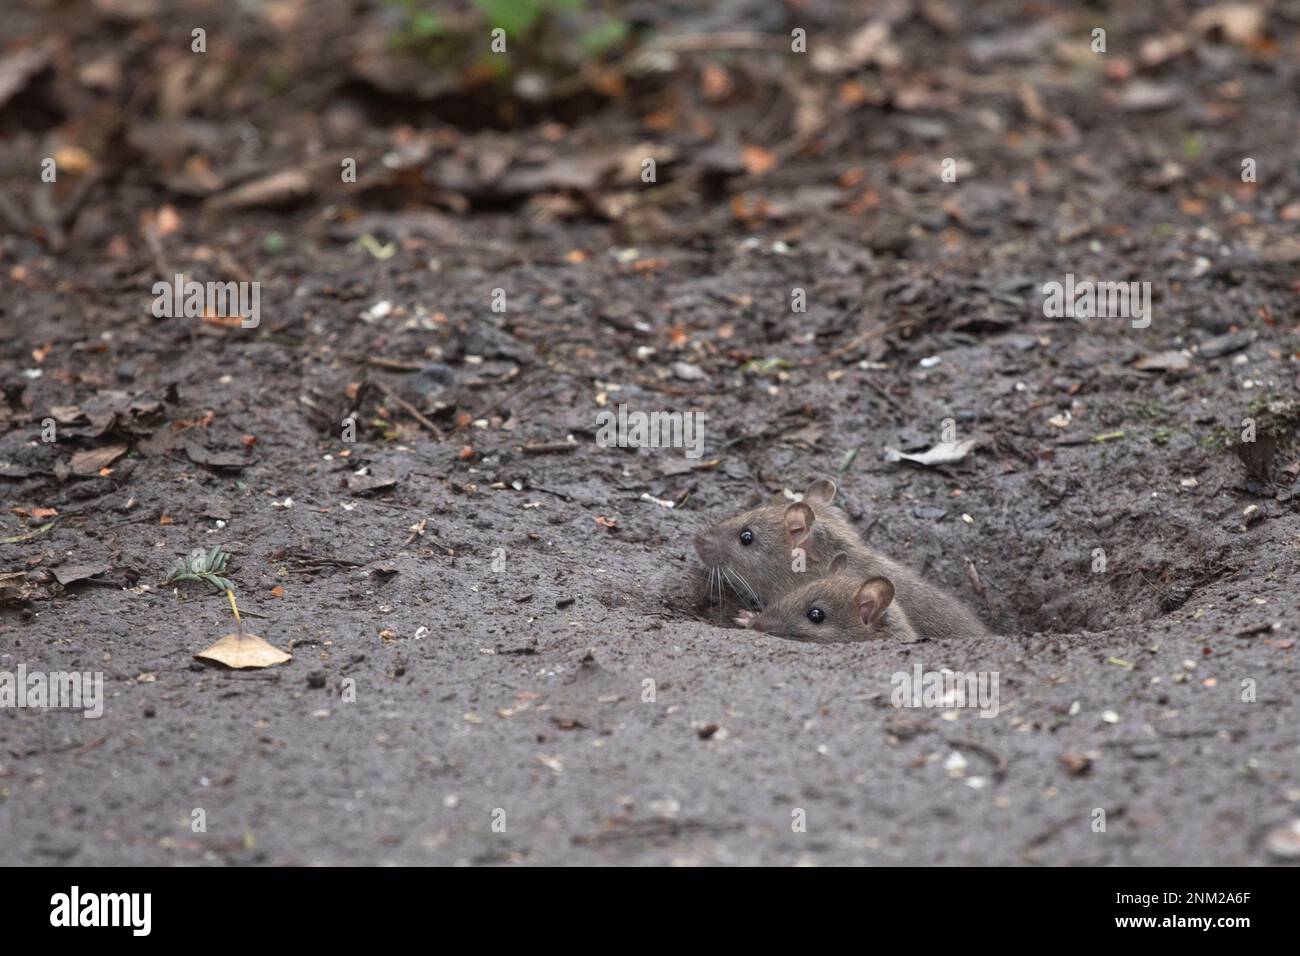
(605, 35)
(516, 17)
(425, 25)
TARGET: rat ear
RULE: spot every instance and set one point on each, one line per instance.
(872, 598)
(820, 492)
(839, 562)
(798, 523)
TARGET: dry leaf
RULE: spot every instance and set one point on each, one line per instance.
(71, 573)
(1171, 361)
(944, 453)
(91, 461)
(244, 650)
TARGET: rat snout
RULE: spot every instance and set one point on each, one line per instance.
(707, 549)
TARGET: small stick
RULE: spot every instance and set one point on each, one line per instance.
(396, 365)
(866, 336)
(410, 409)
(492, 406)
(549, 448)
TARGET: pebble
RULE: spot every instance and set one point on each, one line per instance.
(1284, 841)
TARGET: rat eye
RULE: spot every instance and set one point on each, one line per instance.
(816, 615)
(746, 537)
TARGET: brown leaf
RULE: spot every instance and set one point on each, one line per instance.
(16, 587)
(89, 462)
(71, 573)
(243, 651)
(214, 459)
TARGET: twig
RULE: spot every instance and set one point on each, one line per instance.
(866, 336)
(410, 409)
(494, 405)
(549, 448)
(397, 365)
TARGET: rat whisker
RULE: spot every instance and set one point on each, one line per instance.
(750, 588)
(758, 603)
(737, 581)
(732, 584)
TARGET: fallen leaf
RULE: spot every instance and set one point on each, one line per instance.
(16, 587)
(366, 484)
(1171, 361)
(89, 462)
(214, 459)
(944, 453)
(71, 573)
(277, 591)
(243, 651)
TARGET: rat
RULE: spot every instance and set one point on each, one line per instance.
(838, 607)
(770, 550)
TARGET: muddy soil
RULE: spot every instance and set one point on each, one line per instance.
(503, 652)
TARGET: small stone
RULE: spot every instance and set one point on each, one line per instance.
(1284, 841)
(1076, 765)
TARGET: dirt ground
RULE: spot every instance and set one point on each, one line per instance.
(476, 593)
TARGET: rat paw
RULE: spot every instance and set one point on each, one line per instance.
(745, 618)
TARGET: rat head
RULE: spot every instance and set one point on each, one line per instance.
(837, 607)
(766, 550)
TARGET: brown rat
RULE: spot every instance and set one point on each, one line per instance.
(773, 549)
(838, 607)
